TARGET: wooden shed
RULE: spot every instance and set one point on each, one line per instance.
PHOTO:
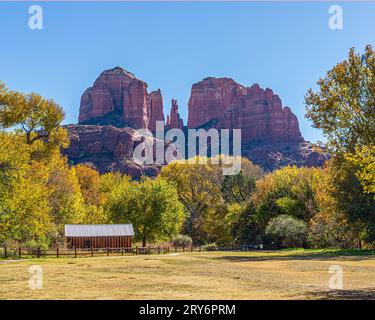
(99, 235)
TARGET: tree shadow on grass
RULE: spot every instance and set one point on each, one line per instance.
(359, 294)
(280, 256)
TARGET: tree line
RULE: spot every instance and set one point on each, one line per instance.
(333, 206)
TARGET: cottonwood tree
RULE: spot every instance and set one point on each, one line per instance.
(152, 206)
(290, 191)
(351, 199)
(206, 194)
(238, 188)
(364, 159)
(198, 188)
(36, 117)
(22, 195)
(343, 107)
(39, 192)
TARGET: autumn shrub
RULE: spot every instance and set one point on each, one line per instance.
(210, 247)
(182, 241)
(287, 231)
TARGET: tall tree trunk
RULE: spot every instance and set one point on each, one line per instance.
(144, 241)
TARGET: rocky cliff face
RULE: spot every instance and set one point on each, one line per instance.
(223, 103)
(270, 132)
(274, 156)
(118, 98)
(118, 103)
(106, 148)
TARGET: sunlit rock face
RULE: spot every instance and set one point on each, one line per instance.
(118, 98)
(118, 103)
(156, 109)
(223, 103)
(270, 131)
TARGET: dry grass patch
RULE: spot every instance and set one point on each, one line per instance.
(205, 275)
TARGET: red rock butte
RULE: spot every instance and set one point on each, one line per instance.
(118, 98)
(118, 102)
(223, 103)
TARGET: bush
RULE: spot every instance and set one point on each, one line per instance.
(182, 241)
(330, 229)
(34, 244)
(287, 231)
(210, 247)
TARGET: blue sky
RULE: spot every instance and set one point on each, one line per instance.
(284, 46)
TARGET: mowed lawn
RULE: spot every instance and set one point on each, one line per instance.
(200, 275)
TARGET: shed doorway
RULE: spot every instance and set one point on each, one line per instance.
(87, 244)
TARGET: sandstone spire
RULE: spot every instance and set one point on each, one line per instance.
(174, 120)
(156, 109)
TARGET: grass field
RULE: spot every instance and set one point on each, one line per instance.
(202, 275)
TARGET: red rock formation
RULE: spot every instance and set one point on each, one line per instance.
(270, 132)
(223, 103)
(174, 120)
(156, 109)
(107, 149)
(274, 156)
(209, 99)
(119, 98)
(111, 149)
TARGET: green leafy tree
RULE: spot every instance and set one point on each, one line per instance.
(287, 231)
(36, 116)
(238, 188)
(28, 206)
(111, 183)
(364, 159)
(94, 199)
(343, 107)
(237, 191)
(89, 182)
(245, 228)
(24, 206)
(290, 191)
(13, 157)
(39, 192)
(350, 199)
(65, 197)
(202, 188)
(152, 206)
(198, 189)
